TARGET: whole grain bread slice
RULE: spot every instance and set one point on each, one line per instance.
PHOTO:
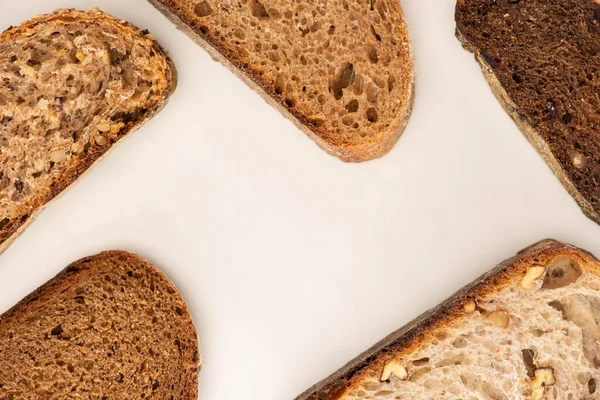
(110, 326)
(528, 329)
(341, 71)
(541, 60)
(73, 84)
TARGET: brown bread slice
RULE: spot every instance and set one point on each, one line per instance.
(541, 59)
(110, 326)
(340, 70)
(73, 84)
(528, 329)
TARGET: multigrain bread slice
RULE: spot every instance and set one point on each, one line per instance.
(73, 84)
(342, 71)
(529, 329)
(110, 326)
(541, 59)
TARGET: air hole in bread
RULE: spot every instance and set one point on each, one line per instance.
(57, 330)
(342, 80)
(258, 9)
(372, 115)
(374, 32)
(460, 342)
(420, 362)
(563, 272)
(373, 55)
(517, 78)
(391, 82)
(419, 373)
(528, 360)
(203, 9)
(352, 106)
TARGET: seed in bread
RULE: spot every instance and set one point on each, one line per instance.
(73, 84)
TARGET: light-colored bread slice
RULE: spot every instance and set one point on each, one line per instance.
(73, 84)
(110, 326)
(529, 329)
(540, 58)
(342, 71)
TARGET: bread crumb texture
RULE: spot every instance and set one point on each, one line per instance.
(73, 83)
(520, 342)
(108, 327)
(546, 56)
(342, 68)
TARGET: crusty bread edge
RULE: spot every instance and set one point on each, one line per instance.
(99, 152)
(75, 269)
(528, 130)
(408, 337)
(365, 152)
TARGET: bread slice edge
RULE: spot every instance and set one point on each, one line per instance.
(78, 269)
(409, 336)
(72, 178)
(366, 151)
(528, 130)
(86, 264)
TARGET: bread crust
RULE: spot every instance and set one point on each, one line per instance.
(534, 137)
(370, 149)
(79, 270)
(27, 212)
(536, 140)
(406, 339)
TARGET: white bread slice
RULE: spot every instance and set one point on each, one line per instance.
(529, 329)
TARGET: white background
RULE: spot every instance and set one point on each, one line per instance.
(292, 261)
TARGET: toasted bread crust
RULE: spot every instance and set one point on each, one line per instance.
(407, 338)
(27, 212)
(78, 271)
(367, 149)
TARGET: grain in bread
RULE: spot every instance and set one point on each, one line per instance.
(110, 326)
(541, 58)
(342, 71)
(528, 329)
(73, 84)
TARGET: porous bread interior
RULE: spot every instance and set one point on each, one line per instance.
(70, 83)
(118, 329)
(342, 68)
(471, 358)
(544, 55)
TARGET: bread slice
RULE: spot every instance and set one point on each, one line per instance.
(341, 71)
(110, 326)
(529, 329)
(540, 58)
(73, 84)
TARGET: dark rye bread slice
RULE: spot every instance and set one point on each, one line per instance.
(72, 85)
(342, 71)
(528, 329)
(110, 326)
(541, 60)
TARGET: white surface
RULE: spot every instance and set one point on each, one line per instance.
(293, 262)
